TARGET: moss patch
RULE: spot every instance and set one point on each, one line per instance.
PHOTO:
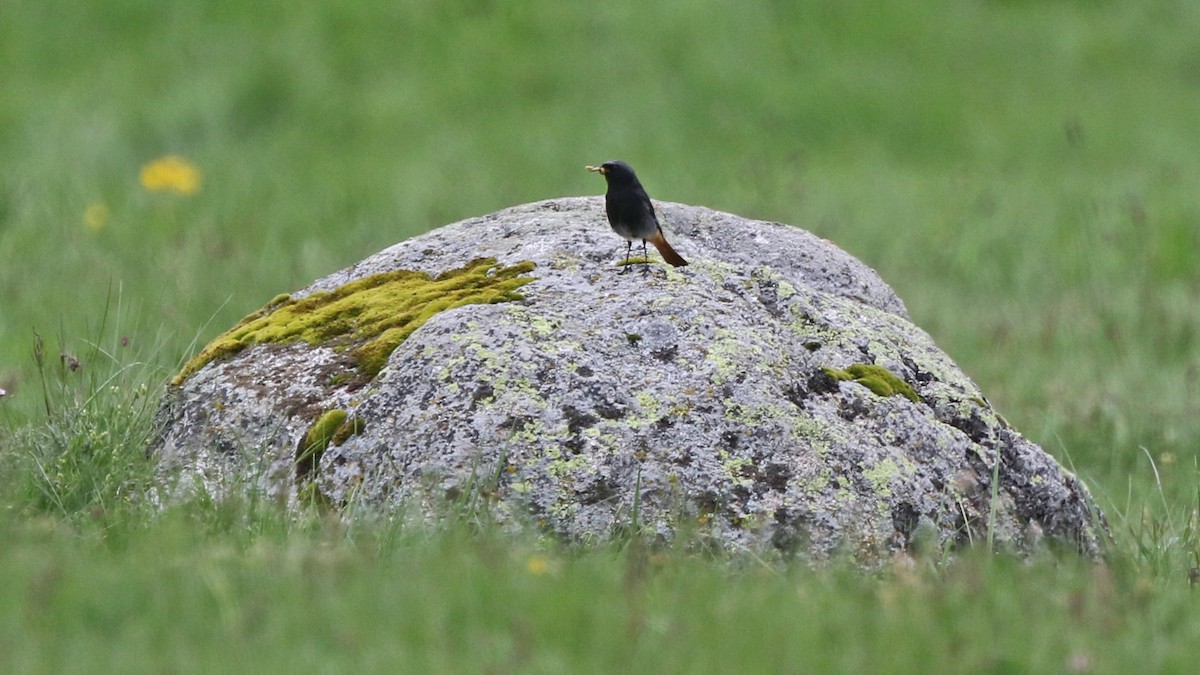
(369, 317)
(878, 379)
(351, 427)
(331, 428)
(635, 261)
(316, 440)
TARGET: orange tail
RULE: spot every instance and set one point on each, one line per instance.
(668, 253)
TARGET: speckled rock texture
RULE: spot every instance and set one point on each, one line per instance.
(697, 399)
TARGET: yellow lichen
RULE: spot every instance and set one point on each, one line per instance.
(635, 261)
(881, 476)
(371, 316)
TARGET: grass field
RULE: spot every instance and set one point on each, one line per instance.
(1025, 174)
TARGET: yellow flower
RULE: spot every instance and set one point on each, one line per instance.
(95, 216)
(171, 174)
(537, 565)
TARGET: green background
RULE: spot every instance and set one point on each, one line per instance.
(1024, 173)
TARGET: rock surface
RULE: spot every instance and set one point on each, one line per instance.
(771, 394)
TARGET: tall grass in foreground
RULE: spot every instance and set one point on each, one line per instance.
(86, 459)
(321, 597)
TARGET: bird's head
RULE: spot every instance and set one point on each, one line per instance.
(615, 172)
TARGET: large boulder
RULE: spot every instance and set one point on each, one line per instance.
(774, 393)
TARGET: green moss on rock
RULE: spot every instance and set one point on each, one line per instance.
(369, 317)
(332, 428)
(635, 261)
(878, 379)
(351, 427)
(316, 440)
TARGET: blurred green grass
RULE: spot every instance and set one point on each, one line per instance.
(317, 598)
(1024, 173)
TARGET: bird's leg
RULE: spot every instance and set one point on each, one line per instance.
(628, 248)
(645, 254)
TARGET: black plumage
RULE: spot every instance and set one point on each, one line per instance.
(630, 212)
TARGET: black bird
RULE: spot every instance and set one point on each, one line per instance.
(630, 212)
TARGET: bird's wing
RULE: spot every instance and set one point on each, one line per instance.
(647, 207)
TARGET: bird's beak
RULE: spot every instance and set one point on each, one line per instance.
(596, 169)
